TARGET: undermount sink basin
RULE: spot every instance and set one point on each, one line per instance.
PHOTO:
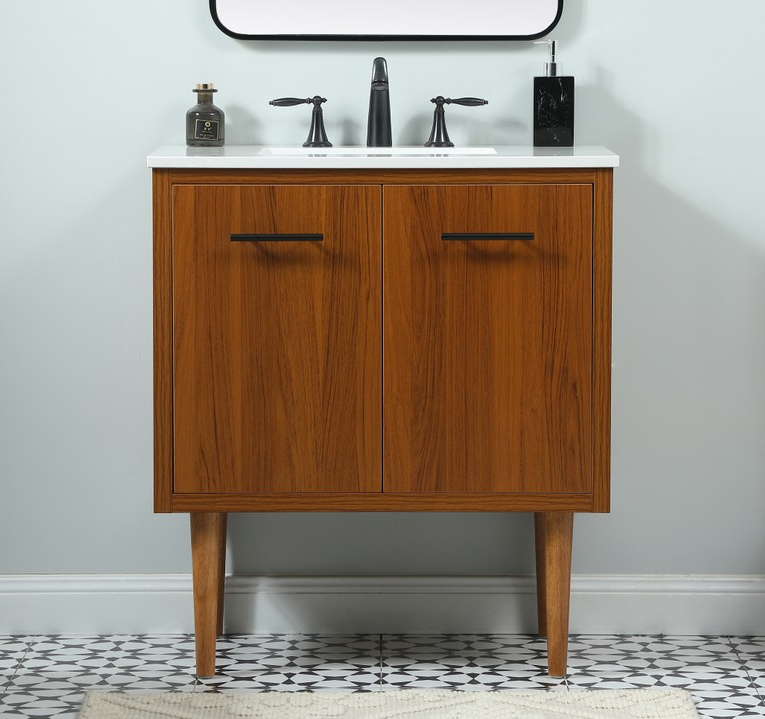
(376, 151)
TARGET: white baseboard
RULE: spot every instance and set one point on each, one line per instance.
(600, 604)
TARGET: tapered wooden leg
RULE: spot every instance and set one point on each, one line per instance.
(554, 536)
(208, 559)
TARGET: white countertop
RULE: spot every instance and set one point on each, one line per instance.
(265, 157)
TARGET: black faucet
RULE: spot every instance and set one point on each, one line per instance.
(439, 137)
(317, 136)
(378, 125)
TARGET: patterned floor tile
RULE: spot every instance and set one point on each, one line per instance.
(12, 652)
(151, 662)
(19, 704)
(56, 671)
(296, 663)
(476, 661)
(47, 676)
(708, 667)
(751, 652)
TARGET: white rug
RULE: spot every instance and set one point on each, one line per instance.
(406, 704)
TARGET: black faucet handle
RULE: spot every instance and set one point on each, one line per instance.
(468, 101)
(316, 100)
(317, 136)
(439, 137)
(440, 101)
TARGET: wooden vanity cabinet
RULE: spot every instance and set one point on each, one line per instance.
(358, 340)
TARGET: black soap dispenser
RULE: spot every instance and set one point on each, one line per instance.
(553, 105)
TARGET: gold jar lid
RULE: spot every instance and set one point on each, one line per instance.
(205, 87)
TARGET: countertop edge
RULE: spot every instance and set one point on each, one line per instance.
(507, 157)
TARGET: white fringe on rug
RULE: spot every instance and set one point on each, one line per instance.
(394, 704)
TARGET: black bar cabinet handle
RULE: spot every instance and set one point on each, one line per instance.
(526, 236)
(279, 237)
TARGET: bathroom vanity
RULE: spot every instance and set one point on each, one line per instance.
(365, 330)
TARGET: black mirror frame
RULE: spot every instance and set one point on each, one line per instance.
(244, 36)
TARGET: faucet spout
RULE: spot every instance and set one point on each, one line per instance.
(378, 123)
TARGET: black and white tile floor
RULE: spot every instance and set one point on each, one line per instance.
(46, 676)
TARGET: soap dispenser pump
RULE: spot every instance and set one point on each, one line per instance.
(553, 105)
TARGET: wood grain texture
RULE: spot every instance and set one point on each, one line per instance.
(602, 322)
(382, 502)
(208, 560)
(163, 341)
(277, 344)
(488, 344)
(269, 367)
(383, 177)
(554, 537)
(285, 497)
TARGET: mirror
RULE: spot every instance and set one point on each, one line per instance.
(391, 20)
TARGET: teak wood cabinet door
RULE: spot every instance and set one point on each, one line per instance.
(488, 338)
(276, 342)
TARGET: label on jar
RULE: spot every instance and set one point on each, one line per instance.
(206, 129)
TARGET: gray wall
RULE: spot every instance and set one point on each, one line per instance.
(90, 88)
